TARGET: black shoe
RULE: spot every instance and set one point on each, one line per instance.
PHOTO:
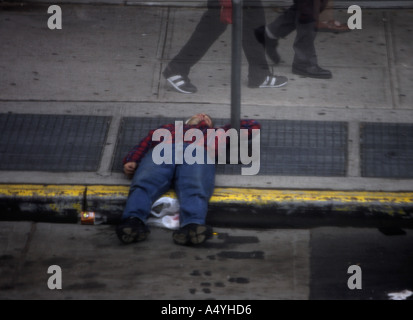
(312, 72)
(192, 234)
(132, 230)
(269, 44)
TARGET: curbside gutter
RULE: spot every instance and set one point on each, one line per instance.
(310, 208)
(59, 203)
(229, 207)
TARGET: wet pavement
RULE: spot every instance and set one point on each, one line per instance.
(237, 264)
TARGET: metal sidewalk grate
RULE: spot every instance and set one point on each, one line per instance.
(303, 148)
(387, 150)
(51, 142)
(133, 130)
(297, 148)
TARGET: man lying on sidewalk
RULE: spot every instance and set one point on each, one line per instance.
(193, 183)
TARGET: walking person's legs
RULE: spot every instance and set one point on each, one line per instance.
(259, 74)
(305, 57)
(208, 30)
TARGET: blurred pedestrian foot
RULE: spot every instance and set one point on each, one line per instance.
(332, 26)
(312, 72)
(272, 81)
(181, 84)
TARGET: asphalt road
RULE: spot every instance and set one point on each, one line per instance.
(384, 256)
(88, 262)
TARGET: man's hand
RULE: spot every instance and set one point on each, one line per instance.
(129, 168)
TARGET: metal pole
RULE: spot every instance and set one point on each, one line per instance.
(236, 64)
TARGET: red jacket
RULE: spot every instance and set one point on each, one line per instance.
(139, 151)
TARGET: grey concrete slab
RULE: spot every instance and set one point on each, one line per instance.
(401, 32)
(61, 65)
(406, 83)
(99, 54)
(357, 59)
(350, 88)
(358, 48)
(237, 264)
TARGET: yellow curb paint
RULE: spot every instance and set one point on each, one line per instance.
(107, 191)
(265, 196)
(115, 191)
(260, 197)
(30, 190)
(73, 192)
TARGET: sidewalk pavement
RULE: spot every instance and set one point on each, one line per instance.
(73, 101)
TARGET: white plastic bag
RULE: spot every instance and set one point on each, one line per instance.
(169, 221)
(165, 206)
(165, 213)
(402, 295)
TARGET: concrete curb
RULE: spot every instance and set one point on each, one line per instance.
(229, 207)
(311, 208)
(57, 203)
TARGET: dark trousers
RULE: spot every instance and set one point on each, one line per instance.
(301, 16)
(210, 28)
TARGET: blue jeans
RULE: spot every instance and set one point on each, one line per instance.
(193, 184)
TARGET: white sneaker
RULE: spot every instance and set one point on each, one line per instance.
(181, 84)
(274, 82)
